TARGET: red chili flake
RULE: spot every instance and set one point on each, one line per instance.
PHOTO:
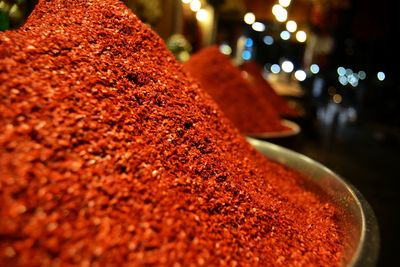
(111, 155)
(264, 90)
(235, 96)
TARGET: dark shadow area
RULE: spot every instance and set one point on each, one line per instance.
(367, 156)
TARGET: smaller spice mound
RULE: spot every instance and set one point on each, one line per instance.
(265, 90)
(235, 96)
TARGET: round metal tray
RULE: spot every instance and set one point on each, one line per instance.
(358, 222)
(293, 129)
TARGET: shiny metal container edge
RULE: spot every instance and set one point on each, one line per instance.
(361, 227)
(293, 129)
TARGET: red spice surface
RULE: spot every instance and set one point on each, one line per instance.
(110, 155)
(264, 90)
(235, 96)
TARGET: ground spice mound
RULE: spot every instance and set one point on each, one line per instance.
(235, 96)
(110, 155)
(264, 90)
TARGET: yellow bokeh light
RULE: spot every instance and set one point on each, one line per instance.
(337, 98)
(195, 5)
(202, 15)
(291, 26)
(284, 3)
(276, 9)
(301, 36)
(249, 18)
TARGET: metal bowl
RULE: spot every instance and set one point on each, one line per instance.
(358, 222)
(288, 138)
(293, 129)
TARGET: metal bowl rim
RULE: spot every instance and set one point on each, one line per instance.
(366, 253)
(294, 129)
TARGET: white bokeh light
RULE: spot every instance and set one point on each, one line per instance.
(282, 15)
(285, 35)
(268, 40)
(341, 71)
(362, 75)
(343, 80)
(258, 26)
(353, 79)
(287, 66)
(225, 49)
(300, 75)
(314, 68)
(381, 75)
(275, 68)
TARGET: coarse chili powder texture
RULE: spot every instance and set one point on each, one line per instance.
(110, 155)
(235, 96)
(264, 90)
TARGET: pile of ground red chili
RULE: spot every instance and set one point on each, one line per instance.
(234, 95)
(110, 155)
(264, 90)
